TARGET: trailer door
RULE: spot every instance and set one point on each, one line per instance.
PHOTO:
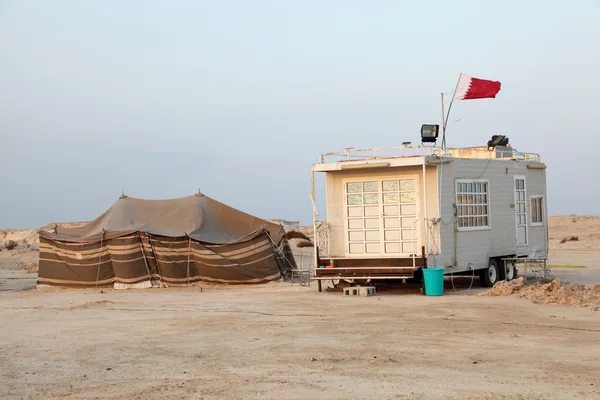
(399, 198)
(381, 216)
(521, 210)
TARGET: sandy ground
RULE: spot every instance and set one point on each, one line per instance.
(283, 342)
(280, 341)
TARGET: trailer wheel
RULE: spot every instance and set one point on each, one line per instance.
(489, 276)
(510, 271)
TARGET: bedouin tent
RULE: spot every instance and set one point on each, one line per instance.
(144, 243)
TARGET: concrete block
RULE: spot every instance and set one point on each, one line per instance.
(366, 291)
(363, 291)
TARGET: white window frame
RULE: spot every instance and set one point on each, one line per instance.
(537, 196)
(489, 205)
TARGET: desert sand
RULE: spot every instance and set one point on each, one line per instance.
(279, 341)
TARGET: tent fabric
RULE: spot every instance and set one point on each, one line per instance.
(199, 217)
(139, 241)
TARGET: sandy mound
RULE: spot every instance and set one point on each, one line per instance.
(507, 288)
(21, 258)
(548, 293)
(583, 227)
(29, 238)
(23, 239)
(19, 248)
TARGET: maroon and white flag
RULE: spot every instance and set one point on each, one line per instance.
(469, 88)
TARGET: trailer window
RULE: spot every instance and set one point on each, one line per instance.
(537, 210)
(472, 204)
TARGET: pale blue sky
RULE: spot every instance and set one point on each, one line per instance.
(238, 98)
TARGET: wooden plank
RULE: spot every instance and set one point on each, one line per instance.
(348, 272)
(360, 272)
(317, 278)
(366, 276)
(364, 268)
(371, 262)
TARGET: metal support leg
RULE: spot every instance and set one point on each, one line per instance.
(320, 290)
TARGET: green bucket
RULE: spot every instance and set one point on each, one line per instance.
(434, 281)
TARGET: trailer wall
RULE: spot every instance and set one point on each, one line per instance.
(459, 248)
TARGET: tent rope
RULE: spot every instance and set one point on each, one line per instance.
(151, 240)
(99, 258)
(144, 255)
(197, 273)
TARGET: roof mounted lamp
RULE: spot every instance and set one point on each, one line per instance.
(429, 133)
(497, 140)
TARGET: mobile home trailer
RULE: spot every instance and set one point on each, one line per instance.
(393, 211)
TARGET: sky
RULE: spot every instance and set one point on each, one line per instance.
(237, 99)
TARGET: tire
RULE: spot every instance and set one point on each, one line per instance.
(489, 276)
(510, 271)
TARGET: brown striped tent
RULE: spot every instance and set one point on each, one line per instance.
(145, 243)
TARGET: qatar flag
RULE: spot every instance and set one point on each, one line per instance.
(469, 88)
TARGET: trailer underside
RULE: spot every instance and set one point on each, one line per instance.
(356, 269)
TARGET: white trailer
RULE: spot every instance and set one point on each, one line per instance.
(393, 211)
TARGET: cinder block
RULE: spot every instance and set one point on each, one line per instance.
(366, 291)
(352, 291)
(363, 291)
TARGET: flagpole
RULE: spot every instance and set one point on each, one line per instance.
(443, 111)
(445, 121)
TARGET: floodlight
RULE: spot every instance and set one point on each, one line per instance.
(429, 133)
(497, 140)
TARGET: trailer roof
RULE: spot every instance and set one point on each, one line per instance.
(399, 156)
